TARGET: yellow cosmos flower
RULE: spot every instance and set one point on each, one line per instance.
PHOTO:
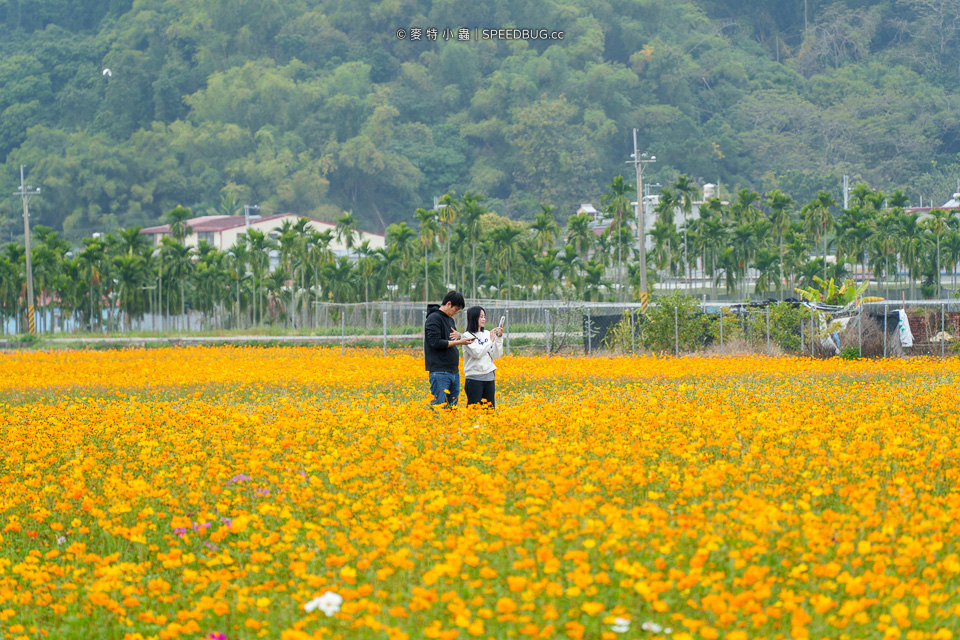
(228, 490)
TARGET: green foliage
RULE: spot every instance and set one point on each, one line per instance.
(319, 107)
(784, 327)
(829, 293)
(620, 337)
(26, 340)
(676, 314)
(850, 353)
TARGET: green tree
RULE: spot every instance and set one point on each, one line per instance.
(447, 213)
(743, 241)
(402, 248)
(939, 222)
(780, 205)
(687, 191)
(347, 230)
(177, 219)
(545, 228)
(93, 264)
(180, 267)
(429, 230)
(912, 243)
(259, 245)
(504, 249)
(951, 247)
(617, 201)
(238, 257)
(818, 220)
(131, 275)
(341, 281)
(471, 210)
(580, 237)
(766, 263)
(745, 210)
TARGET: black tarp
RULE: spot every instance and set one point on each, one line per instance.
(893, 320)
(596, 328)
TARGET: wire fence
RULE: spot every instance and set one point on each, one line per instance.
(672, 325)
(683, 326)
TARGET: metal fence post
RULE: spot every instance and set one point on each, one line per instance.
(745, 325)
(767, 309)
(676, 331)
(342, 319)
(384, 332)
(721, 331)
(589, 334)
(943, 329)
(803, 340)
(885, 309)
(811, 331)
(547, 311)
(506, 329)
(633, 333)
(860, 333)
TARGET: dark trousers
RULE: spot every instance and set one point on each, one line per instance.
(480, 391)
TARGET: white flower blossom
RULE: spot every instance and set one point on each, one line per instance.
(652, 627)
(329, 603)
(620, 625)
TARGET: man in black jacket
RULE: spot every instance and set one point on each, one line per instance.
(440, 354)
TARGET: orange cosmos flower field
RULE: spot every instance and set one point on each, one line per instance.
(240, 493)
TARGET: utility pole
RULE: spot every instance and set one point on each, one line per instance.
(25, 192)
(246, 212)
(639, 159)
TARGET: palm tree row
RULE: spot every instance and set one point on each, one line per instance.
(117, 281)
(771, 243)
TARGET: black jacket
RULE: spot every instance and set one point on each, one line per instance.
(438, 355)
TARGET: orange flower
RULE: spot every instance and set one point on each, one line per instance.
(295, 473)
(506, 605)
(516, 583)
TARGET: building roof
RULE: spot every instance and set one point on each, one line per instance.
(951, 204)
(207, 224)
(201, 224)
(603, 224)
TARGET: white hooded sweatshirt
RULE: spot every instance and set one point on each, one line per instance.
(478, 356)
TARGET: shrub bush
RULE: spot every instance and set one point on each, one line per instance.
(676, 313)
(850, 353)
(750, 330)
(619, 338)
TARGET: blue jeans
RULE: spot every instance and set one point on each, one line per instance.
(444, 387)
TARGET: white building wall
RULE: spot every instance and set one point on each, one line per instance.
(226, 239)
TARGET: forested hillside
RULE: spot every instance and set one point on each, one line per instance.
(317, 107)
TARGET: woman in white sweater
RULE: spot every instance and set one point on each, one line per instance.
(479, 371)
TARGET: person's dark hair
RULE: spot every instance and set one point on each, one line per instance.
(473, 320)
(455, 298)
